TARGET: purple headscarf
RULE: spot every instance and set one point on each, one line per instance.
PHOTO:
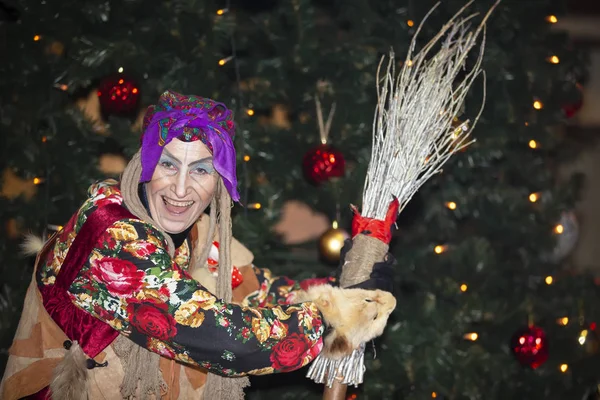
(190, 118)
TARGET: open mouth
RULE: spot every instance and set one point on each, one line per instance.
(177, 207)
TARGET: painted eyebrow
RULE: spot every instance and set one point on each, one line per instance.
(207, 160)
(172, 157)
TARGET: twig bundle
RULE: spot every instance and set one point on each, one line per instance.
(413, 130)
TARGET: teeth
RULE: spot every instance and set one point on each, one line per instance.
(178, 203)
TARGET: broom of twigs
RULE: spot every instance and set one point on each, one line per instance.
(414, 134)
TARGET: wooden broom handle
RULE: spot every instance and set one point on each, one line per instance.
(337, 391)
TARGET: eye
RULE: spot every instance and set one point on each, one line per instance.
(368, 300)
(167, 164)
(376, 315)
(199, 171)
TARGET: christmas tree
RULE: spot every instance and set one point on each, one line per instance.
(478, 250)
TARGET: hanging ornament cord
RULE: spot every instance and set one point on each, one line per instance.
(324, 128)
(413, 136)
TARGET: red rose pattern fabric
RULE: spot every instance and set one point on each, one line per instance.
(131, 283)
(153, 320)
(287, 354)
(279, 290)
(121, 277)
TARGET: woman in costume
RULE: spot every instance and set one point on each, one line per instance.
(122, 302)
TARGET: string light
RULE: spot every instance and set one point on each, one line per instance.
(538, 105)
(563, 368)
(472, 336)
(410, 23)
(549, 280)
(222, 11)
(460, 129)
(255, 206)
(55, 227)
(37, 181)
(526, 123)
(533, 144)
(250, 112)
(563, 321)
(463, 287)
(121, 70)
(582, 337)
(44, 139)
(225, 60)
(439, 249)
(409, 63)
(533, 197)
(552, 19)
(246, 158)
(451, 205)
(553, 60)
(433, 395)
(36, 38)
(559, 229)
(334, 224)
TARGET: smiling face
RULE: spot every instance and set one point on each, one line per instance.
(182, 185)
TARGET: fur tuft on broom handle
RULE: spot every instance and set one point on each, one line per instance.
(358, 264)
(369, 246)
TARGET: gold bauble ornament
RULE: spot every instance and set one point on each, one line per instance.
(331, 243)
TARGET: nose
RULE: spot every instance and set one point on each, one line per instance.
(181, 184)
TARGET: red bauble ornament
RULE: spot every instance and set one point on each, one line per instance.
(323, 163)
(530, 346)
(571, 109)
(119, 95)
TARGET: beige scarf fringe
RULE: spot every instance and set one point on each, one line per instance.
(139, 381)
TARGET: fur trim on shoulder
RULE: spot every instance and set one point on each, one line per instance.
(32, 244)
